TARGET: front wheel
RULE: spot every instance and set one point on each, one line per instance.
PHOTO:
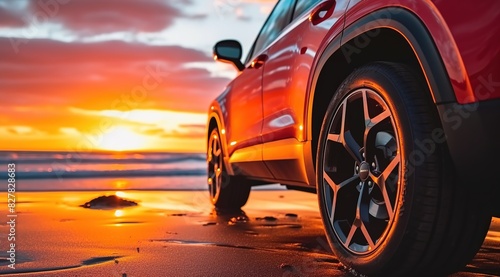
(226, 192)
(386, 199)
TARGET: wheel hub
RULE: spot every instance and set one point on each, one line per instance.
(364, 171)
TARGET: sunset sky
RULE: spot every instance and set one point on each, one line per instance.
(85, 75)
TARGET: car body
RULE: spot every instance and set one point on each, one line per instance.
(430, 69)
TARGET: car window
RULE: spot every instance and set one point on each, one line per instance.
(275, 23)
(303, 5)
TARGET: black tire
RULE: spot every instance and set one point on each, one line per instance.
(226, 192)
(390, 206)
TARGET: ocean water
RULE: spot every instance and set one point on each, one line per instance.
(60, 171)
(67, 171)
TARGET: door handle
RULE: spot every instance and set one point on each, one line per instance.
(259, 61)
(322, 12)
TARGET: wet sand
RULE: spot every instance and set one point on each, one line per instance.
(177, 233)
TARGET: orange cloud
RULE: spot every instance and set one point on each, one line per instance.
(96, 75)
(98, 56)
(41, 85)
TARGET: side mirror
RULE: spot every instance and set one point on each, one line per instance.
(229, 51)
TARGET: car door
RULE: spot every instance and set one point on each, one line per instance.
(244, 101)
(285, 82)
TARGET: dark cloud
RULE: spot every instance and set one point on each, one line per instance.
(153, 131)
(184, 2)
(161, 133)
(47, 51)
(197, 16)
(13, 131)
(9, 18)
(105, 75)
(244, 18)
(193, 126)
(96, 16)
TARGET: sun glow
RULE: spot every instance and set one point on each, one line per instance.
(163, 118)
(121, 138)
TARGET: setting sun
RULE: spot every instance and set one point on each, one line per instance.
(92, 79)
(121, 138)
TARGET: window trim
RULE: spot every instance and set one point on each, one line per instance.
(295, 16)
(251, 52)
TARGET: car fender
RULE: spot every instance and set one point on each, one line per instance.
(215, 113)
(416, 34)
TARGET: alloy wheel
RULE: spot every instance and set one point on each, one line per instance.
(361, 169)
(215, 164)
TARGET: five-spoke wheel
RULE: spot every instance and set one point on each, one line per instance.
(386, 196)
(361, 169)
(215, 165)
(226, 191)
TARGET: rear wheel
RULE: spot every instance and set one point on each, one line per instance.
(226, 192)
(388, 204)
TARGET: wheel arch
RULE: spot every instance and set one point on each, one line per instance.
(402, 38)
(213, 123)
(214, 120)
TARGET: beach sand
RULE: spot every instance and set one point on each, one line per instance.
(177, 233)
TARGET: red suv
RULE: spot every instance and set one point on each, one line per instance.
(387, 109)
